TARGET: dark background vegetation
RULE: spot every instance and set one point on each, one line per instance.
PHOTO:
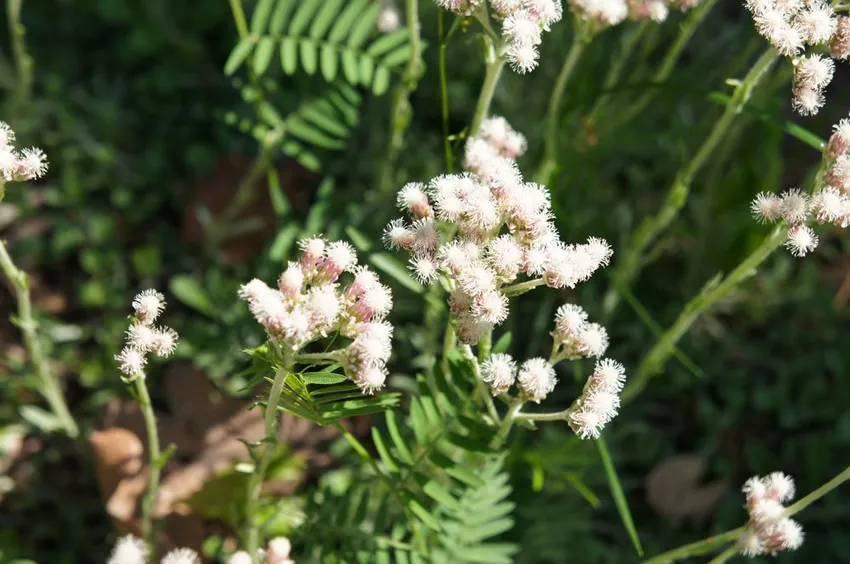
(131, 105)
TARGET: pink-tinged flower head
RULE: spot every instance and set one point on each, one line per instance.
(499, 372)
(426, 238)
(546, 12)
(446, 192)
(291, 281)
(749, 544)
(779, 486)
(129, 550)
(536, 379)
(477, 279)
(7, 136)
(839, 45)
(323, 307)
(490, 307)
(497, 132)
(266, 305)
(838, 174)
(312, 252)
(339, 257)
(830, 206)
(505, 8)
(766, 207)
(522, 27)
(504, 256)
(603, 12)
(459, 7)
(240, 557)
(785, 534)
(412, 199)
(470, 329)
(459, 303)
(807, 101)
(816, 22)
(814, 72)
(766, 510)
(148, 305)
(8, 162)
(278, 550)
(839, 141)
(31, 164)
(586, 423)
(182, 556)
(801, 240)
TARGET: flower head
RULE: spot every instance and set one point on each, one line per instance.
(536, 379)
(128, 550)
(182, 556)
(499, 372)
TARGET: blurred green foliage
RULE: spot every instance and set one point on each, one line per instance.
(131, 105)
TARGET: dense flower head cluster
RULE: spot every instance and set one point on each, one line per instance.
(19, 166)
(792, 25)
(599, 400)
(769, 531)
(484, 229)
(131, 550)
(143, 337)
(575, 336)
(310, 303)
(829, 205)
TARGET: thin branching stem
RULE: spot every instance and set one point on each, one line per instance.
(49, 385)
(630, 262)
(154, 460)
(495, 64)
(698, 548)
(269, 447)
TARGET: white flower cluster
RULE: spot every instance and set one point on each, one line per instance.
(277, 552)
(792, 25)
(769, 531)
(535, 378)
(498, 228)
(575, 336)
(143, 337)
(599, 400)
(309, 303)
(831, 204)
(27, 164)
(132, 550)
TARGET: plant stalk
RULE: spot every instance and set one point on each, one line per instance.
(697, 548)
(495, 64)
(154, 456)
(255, 484)
(23, 61)
(49, 387)
(629, 264)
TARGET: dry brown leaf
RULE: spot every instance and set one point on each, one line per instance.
(674, 491)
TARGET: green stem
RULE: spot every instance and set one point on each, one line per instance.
(23, 62)
(550, 158)
(154, 454)
(306, 358)
(633, 35)
(239, 18)
(686, 30)
(630, 262)
(400, 110)
(49, 385)
(522, 287)
(511, 417)
(255, 484)
(725, 555)
(697, 548)
(444, 89)
(554, 416)
(495, 64)
(818, 493)
(716, 289)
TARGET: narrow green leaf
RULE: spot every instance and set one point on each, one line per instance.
(437, 492)
(289, 55)
(397, 57)
(192, 293)
(503, 344)
(324, 19)
(309, 133)
(238, 55)
(429, 520)
(394, 268)
(263, 55)
(342, 25)
(618, 495)
(367, 69)
(279, 18)
(323, 115)
(383, 451)
(417, 421)
(330, 62)
(364, 25)
(301, 18)
(323, 378)
(584, 491)
(350, 67)
(398, 440)
(309, 56)
(382, 81)
(260, 17)
(387, 42)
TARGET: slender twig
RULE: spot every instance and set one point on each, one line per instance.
(697, 548)
(630, 262)
(23, 61)
(239, 18)
(725, 555)
(49, 385)
(818, 493)
(155, 463)
(522, 287)
(553, 113)
(269, 447)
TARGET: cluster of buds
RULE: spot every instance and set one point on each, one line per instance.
(310, 303)
(27, 164)
(143, 337)
(792, 25)
(575, 337)
(769, 531)
(132, 550)
(277, 552)
(830, 204)
(601, 14)
(535, 378)
(523, 24)
(484, 229)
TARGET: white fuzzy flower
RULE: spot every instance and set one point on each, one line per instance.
(371, 378)
(128, 550)
(477, 279)
(786, 534)
(413, 199)
(536, 379)
(7, 136)
(779, 486)
(522, 27)
(816, 23)
(424, 268)
(830, 205)
(592, 340)
(291, 280)
(32, 163)
(426, 238)
(323, 306)
(547, 11)
(388, 19)
(240, 557)
(807, 101)
(398, 236)
(795, 206)
(586, 423)
(8, 162)
(609, 375)
(490, 307)
(340, 256)
(814, 72)
(749, 544)
(754, 488)
(570, 320)
(164, 341)
(766, 510)
(182, 556)
(801, 240)
(148, 305)
(141, 337)
(504, 256)
(278, 550)
(312, 251)
(499, 371)
(766, 207)
(131, 362)
(522, 56)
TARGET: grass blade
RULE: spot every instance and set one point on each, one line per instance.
(618, 495)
